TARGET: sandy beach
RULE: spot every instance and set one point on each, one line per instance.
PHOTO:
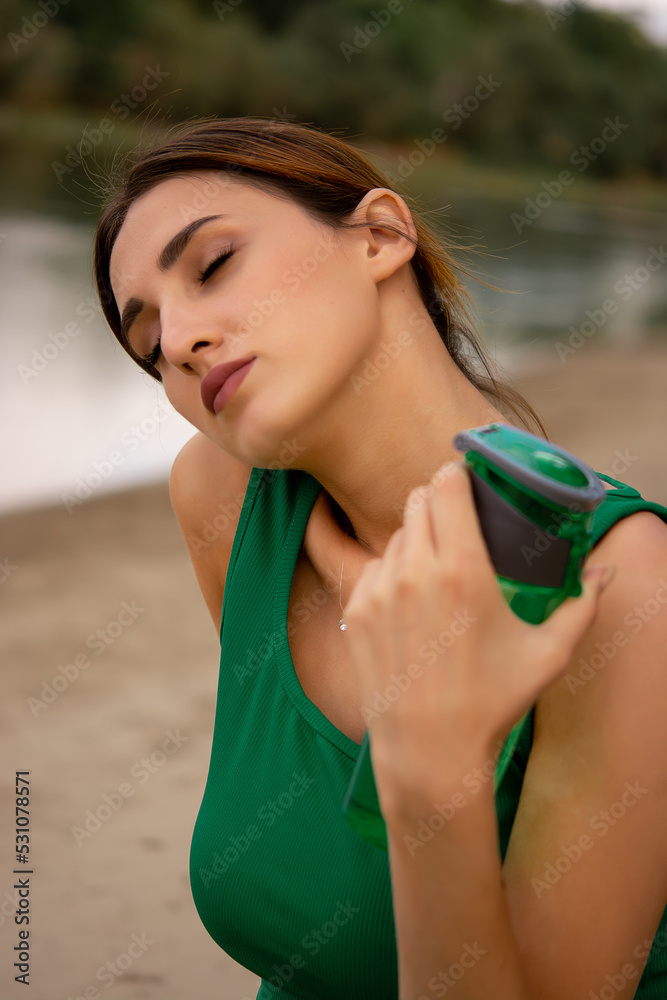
(110, 664)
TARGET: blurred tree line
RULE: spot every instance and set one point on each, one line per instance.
(393, 70)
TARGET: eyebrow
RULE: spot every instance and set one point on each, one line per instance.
(178, 243)
(168, 257)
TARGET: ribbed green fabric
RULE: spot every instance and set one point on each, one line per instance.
(280, 881)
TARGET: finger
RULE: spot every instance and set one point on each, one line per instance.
(394, 545)
(385, 570)
(417, 523)
(365, 584)
(575, 615)
(455, 521)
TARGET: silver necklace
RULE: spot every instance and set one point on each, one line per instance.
(342, 624)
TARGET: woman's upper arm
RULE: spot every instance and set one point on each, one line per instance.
(586, 865)
(207, 487)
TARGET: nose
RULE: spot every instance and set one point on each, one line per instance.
(187, 337)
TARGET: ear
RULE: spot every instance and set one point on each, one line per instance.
(391, 236)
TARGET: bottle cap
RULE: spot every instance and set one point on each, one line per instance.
(548, 469)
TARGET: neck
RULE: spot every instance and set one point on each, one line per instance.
(400, 432)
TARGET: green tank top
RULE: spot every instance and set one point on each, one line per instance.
(279, 879)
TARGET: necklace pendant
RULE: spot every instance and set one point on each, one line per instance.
(342, 625)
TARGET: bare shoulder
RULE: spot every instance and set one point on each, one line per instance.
(621, 661)
(204, 477)
(207, 487)
(633, 537)
(589, 832)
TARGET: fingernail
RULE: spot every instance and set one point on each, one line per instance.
(449, 469)
(606, 577)
(418, 496)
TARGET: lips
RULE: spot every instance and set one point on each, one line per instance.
(219, 384)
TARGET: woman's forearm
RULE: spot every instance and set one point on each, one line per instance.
(450, 907)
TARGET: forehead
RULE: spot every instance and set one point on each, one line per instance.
(156, 216)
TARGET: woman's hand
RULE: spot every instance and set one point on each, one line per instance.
(428, 620)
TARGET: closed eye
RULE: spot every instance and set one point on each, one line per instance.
(202, 277)
(153, 357)
(214, 265)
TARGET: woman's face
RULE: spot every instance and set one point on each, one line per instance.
(250, 275)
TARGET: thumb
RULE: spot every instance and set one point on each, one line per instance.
(575, 615)
(595, 578)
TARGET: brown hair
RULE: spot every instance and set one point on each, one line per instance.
(327, 177)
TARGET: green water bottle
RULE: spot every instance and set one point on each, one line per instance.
(535, 503)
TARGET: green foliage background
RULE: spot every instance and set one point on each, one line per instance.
(561, 75)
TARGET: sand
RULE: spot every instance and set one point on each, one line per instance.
(119, 564)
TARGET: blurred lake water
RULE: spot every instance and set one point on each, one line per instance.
(80, 418)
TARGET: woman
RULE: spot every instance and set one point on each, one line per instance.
(313, 330)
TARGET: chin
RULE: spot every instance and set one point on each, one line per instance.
(273, 432)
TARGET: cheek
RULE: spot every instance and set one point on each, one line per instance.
(184, 395)
(344, 323)
(334, 310)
